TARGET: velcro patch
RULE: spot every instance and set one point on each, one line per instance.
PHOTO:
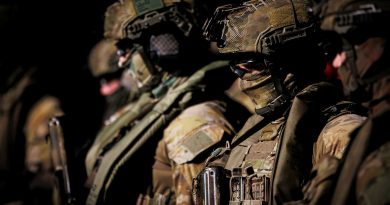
(194, 144)
(144, 6)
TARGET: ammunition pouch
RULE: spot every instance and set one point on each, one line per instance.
(247, 188)
(216, 185)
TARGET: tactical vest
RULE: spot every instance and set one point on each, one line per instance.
(252, 172)
(122, 121)
(119, 123)
(165, 110)
(248, 166)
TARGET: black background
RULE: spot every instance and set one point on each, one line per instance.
(55, 37)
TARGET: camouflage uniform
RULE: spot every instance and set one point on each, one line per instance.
(334, 137)
(296, 113)
(257, 145)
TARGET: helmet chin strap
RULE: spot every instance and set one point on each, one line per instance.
(280, 102)
(355, 87)
(276, 105)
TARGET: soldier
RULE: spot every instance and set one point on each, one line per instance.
(363, 176)
(170, 64)
(299, 120)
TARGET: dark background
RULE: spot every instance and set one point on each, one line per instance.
(64, 30)
(54, 37)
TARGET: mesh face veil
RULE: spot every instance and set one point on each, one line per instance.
(256, 82)
(157, 33)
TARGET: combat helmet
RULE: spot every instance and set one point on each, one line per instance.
(103, 59)
(114, 18)
(345, 16)
(355, 22)
(259, 26)
(161, 36)
(273, 38)
(145, 14)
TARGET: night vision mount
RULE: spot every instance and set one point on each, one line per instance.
(134, 29)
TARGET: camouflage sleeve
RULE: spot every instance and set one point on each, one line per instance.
(183, 146)
(172, 183)
(36, 128)
(162, 174)
(182, 179)
(373, 179)
(38, 153)
(334, 137)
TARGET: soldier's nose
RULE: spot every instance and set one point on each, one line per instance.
(339, 60)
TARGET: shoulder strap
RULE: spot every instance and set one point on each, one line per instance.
(303, 125)
(342, 108)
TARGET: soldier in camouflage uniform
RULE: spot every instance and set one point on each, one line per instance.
(362, 176)
(161, 39)
(298, 120)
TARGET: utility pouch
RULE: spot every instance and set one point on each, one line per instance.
(210, 187)
(247, 188)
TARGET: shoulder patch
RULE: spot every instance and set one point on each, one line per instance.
(195, 130)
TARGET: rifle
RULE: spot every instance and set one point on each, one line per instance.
(58, 154)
